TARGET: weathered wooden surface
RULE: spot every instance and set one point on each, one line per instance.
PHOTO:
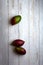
(29, 29)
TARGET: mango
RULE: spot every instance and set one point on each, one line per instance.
(20, 50)
(17, 42)
(15, 19)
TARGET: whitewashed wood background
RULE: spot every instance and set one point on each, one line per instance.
(29, 29)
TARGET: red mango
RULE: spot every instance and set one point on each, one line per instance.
(15, 19)
(20, 50)
(18, 42)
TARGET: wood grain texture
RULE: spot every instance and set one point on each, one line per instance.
(24, 30)
(13, 31)
(3, 32)
(41, 32)
(30, 29)
(34, 33)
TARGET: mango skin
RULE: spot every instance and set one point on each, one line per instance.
(20, 50)
(17, 42)
(15, 19)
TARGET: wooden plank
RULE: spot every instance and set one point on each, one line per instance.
(3, 32)
(13, 31)
(41, 32)
(34, 33)
(0, 38)
(24, 30)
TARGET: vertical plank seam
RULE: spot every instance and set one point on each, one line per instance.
(39, 29)
(18, 35)
(33, 22)
(12, 3)
(18, 24)
(8, 29)
(32, 7)
(18, 29)
(29, 30)
(33, 19)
